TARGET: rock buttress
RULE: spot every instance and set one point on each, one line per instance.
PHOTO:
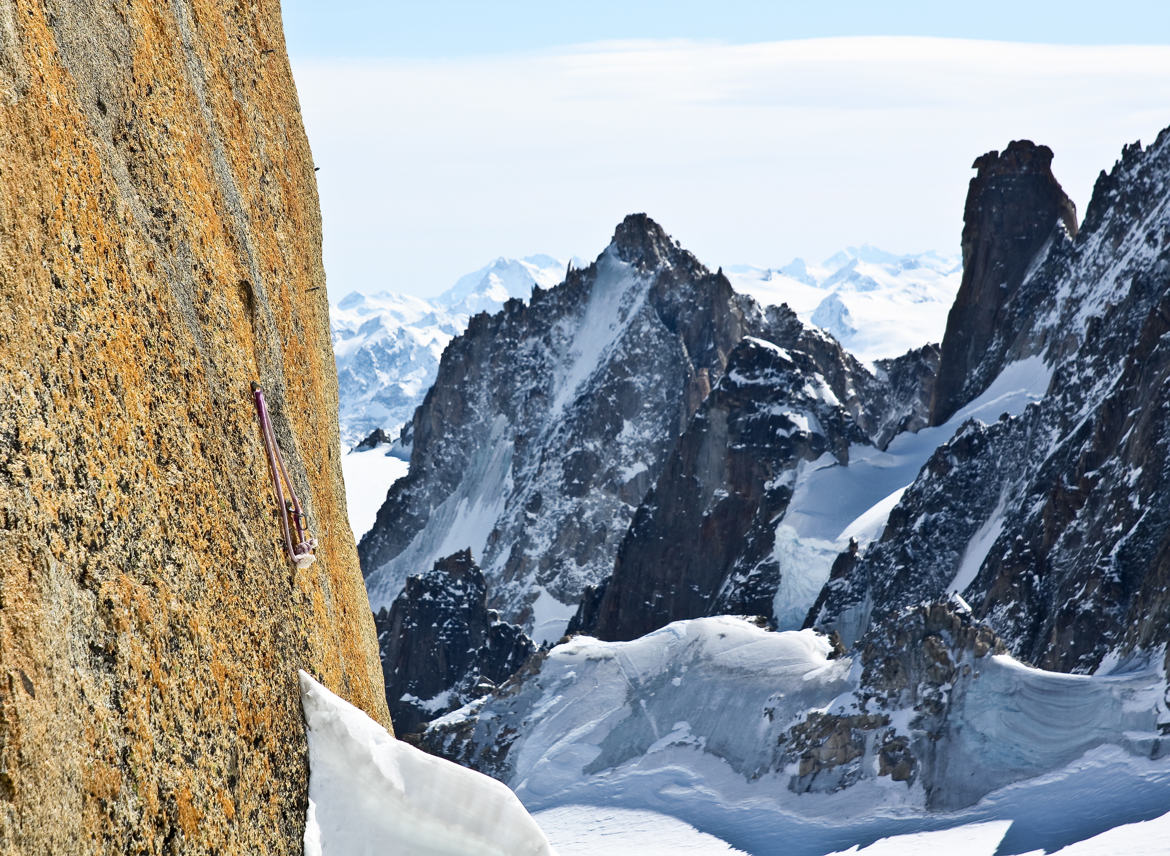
(1014, 206)
(160, 247)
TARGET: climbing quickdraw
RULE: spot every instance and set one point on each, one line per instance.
(293, 524)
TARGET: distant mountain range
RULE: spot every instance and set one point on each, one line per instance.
(388, 344)
(878, 305)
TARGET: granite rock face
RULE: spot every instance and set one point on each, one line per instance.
(441, 646)
(910, 380)
(704, 540)
(1015, 208)
(160, 247)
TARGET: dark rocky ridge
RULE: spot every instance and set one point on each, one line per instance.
(1014, 207)
(1069, 500)
(699, 542)
(702, 541)
(559, 432)
(373, 440)
(441, 645)
(910, 380)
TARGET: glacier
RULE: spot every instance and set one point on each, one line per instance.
(689, 722)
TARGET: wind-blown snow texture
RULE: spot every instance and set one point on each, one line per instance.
(372, 794)
(388, 345)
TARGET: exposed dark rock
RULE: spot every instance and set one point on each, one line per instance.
(1059, 517)
(700, 544)
(1014, 207)
(442, 646)
(375, 438)
(585, 619)
(553, 420)
(918, 666)
(910, 380)
(841, 570)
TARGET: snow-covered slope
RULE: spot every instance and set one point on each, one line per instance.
(388, 345)
(718, 723)
(591, 830)
(877, 304)
(368, 475)
(372, 794)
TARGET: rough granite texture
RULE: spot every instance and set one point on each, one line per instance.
(160, 247)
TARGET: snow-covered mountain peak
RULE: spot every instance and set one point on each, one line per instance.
(549, 421)
(883, 304)
(798, 270)
(490, 287)
(387, 345)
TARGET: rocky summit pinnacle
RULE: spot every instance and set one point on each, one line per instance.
(641, 242)
(1014, 206)
(439, 642)
(549, 422)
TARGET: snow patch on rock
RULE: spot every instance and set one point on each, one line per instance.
(370, 793)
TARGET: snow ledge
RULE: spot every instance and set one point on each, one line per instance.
(370, 793)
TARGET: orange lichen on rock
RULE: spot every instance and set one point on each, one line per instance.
(160, 248)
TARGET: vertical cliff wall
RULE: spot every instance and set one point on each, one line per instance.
(160, 247)
(1015, 207)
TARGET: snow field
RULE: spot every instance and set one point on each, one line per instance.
(685, 722)
(580, 830)
(833, 503)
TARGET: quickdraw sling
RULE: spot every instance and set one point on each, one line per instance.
(293, 524)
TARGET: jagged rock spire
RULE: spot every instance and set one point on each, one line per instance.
(1014, 204)
(642, 242)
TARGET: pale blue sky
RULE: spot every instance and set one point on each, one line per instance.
(449, 133)
(453, 28)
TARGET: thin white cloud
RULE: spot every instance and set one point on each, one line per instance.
(746, 153)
